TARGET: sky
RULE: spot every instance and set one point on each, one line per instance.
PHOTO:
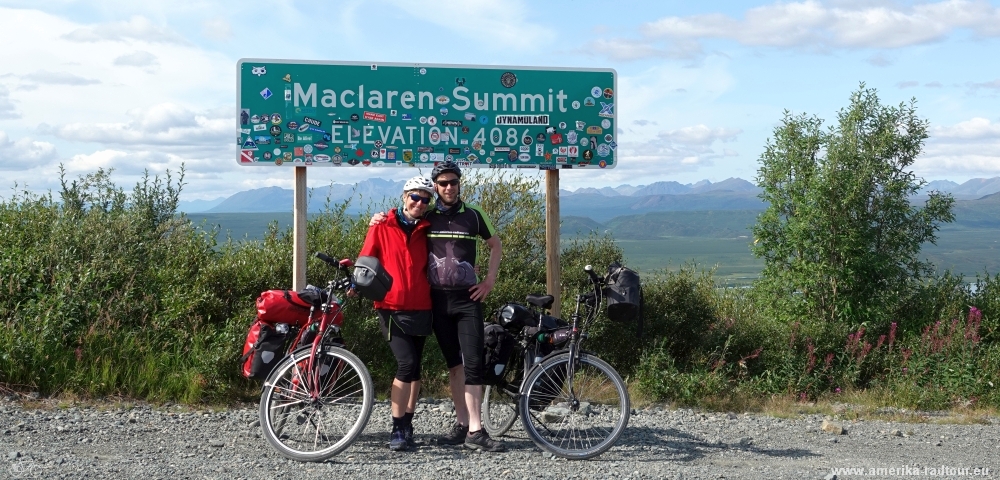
(151, 85)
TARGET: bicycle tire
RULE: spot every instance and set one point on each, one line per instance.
(500, 410)
(580, 429)
(308, 430)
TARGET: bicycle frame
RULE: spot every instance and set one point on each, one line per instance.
(591, 302)
(328, 311)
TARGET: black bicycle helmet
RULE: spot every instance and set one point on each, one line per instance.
(443, 167)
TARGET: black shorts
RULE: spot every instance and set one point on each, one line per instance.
(408, 349)
(458, 326)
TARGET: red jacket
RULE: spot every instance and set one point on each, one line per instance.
(405, 259)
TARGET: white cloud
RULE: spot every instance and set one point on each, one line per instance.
(811, 25)
(993, 85)
(974, 129)
(971, 148)
(138, 28)
(68, 82)
(879, 60)
(627, 50)
(165, 124)
(907, 84)
(24, 153)
(139, 58)
(45, 77)
(217, 29)
(7, 108)
(700, 135)
(128, 163)
(505, 24)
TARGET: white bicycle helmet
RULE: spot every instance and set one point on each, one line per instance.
(419, 183)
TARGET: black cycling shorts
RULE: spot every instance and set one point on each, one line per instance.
(458, 326)
(408, 349)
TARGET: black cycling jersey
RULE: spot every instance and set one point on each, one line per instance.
(452, 245)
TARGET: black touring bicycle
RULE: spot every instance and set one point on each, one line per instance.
(570, 402)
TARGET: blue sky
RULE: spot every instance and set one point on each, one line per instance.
(701, 85)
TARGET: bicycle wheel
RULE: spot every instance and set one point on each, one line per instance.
(577, 425)
(499, 409)
(311, 430)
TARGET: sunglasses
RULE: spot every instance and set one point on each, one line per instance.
(418, 198)
(448, 183)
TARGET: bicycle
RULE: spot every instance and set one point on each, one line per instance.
(570, 402)
(318, 399)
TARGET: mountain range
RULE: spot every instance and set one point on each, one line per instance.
(599, 204)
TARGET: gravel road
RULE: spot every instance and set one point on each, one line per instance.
(49, 440)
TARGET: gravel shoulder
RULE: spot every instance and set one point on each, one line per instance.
(142, 441)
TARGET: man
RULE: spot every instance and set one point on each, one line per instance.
(456, 296)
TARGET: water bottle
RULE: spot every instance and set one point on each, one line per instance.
(554, 338)
(559, 336)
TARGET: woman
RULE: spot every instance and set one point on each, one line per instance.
(400, 244)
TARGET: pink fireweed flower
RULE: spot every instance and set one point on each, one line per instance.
(881, 339)
(864, 351)
(972, 326)
(892, 334)
(837, 390)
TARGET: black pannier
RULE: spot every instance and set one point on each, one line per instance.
(623, 293)
(262, 350)
(499, 344)
(370, 279)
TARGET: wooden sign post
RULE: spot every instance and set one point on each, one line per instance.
(299, 231)
(553, 273)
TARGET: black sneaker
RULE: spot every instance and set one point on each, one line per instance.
(456, 436)
(481, 441)
(408, 435)
(397, 441)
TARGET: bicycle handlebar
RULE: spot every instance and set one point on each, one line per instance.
(333, 262)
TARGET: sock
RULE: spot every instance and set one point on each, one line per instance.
(397, 423)
(408, 419)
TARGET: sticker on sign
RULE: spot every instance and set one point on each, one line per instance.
(375, 117)
(522, 120)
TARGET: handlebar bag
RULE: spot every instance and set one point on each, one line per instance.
(283, 306)
(261, 351)
(370, 279)
(499, 345)
(623, 293)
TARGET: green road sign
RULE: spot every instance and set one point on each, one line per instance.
(344, 114)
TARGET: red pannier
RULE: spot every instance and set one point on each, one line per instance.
(282, 306)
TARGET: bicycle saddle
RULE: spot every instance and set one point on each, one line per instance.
(541, 301)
